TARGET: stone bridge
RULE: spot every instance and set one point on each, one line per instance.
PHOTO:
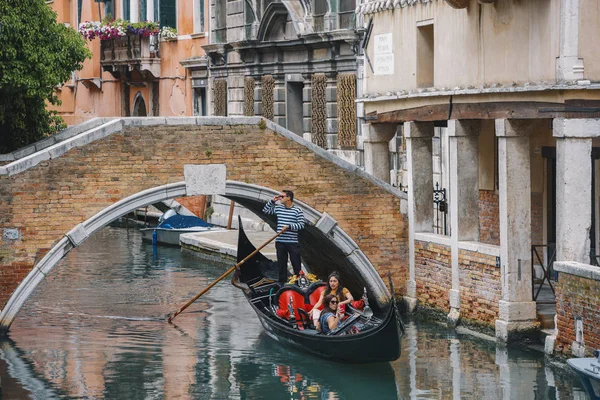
(55, 195)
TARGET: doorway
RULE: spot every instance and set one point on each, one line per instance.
(295, 114)
(139, 106)
(200, 101)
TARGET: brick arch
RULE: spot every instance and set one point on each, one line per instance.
(44, 195)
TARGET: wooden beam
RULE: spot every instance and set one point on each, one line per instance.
(496, 110)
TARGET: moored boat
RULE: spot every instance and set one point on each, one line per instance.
(588, 370)
(169, 230)
(361, 338)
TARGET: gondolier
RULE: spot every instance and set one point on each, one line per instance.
(287, 243)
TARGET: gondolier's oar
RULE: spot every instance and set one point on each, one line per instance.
(230, 270)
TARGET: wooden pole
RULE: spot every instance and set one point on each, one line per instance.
(230, 270)
(231, 208)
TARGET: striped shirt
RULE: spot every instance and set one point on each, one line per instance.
(292, 217)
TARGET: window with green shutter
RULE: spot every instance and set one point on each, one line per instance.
(167, 15)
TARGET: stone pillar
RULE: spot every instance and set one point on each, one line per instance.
(573, 187)
(464, 197)
(376, 147)
(420, 192)
(279, 101)
(517, 311)
(569, 66)
(306, 107)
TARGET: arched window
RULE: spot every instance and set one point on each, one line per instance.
(249, 18)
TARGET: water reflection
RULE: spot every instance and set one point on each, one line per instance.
(96, 329)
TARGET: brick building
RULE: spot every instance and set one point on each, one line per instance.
(497, 103)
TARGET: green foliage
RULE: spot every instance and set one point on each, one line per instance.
(208, 153)
(36, 55)
(262, 124)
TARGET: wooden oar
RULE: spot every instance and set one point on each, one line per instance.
(230, 270)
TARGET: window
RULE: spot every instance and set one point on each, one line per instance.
(126, 10)
(143, 16)
(198, 16)
(425, 55)
(346, 14)
(220, 21)
(168, 13)
(249, 19)
(79, 6)
(109, 8)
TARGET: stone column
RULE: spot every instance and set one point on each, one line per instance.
(306, 107)
(464, 197)
(574, 187)
(376, 149)
(517, 311)
(279, 101)
(420, 192)
(568, 64)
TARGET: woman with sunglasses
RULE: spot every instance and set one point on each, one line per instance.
(331, 315)
(335, 288)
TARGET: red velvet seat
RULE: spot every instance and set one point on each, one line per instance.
(314, 293)
(283, 298)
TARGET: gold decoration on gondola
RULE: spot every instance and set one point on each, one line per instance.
(311, 277)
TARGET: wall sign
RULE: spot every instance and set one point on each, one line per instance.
(383, 55)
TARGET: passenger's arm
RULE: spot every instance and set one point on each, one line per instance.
(349, 298)
(333, 321)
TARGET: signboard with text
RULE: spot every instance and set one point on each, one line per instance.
(383, 55)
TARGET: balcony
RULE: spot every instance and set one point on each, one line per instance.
(131, 52)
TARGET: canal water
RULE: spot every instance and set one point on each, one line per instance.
(96, 329)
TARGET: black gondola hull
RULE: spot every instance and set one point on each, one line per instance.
(380, 343)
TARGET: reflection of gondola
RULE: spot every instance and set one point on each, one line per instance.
(358, 340)
(298, 376)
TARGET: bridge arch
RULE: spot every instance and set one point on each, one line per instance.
(320, 228)
(73, 186)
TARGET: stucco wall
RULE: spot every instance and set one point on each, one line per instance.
(483, 44)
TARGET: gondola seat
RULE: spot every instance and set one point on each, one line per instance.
(294, 294)
(314, 293)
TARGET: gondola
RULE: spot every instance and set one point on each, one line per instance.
(358, 339)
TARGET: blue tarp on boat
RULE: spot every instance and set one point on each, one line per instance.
(183, 221)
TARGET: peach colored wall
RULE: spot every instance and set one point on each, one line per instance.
(175, 88)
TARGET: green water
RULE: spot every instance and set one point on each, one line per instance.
(96, 329)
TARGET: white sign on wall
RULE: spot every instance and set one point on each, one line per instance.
(383, 55)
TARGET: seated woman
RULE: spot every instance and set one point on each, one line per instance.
(335, 288)
(331, 315)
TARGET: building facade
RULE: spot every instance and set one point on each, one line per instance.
(292, 62)
(497, 104)
(135, 74)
